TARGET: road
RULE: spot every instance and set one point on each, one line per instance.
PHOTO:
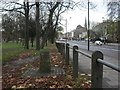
(110, 76)
(109, 50)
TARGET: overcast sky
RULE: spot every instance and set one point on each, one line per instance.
(77, 16)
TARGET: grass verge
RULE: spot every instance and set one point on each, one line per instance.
(34, 52)
(10, 45)
(9, 55)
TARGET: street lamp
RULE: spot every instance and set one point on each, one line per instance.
(66, 30)
(88, 27)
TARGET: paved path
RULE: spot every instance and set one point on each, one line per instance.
(110, 76)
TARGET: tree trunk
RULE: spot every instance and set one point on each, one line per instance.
(43, 41)
(32, 39)
(37, 27)
(26, 4)
(52, 40)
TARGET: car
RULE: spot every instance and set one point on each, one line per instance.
(61, 39)
(98, 43)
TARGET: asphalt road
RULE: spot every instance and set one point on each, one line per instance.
(109, 50)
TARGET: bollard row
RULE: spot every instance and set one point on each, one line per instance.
(96, 63)
(61, 48)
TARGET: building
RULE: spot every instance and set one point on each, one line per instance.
(79, 33)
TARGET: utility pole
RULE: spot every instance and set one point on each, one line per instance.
(88, 28)
(66, 31)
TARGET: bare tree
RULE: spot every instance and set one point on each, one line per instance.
(26, 9)
(23, 9)
(113, 9)
(37, 26)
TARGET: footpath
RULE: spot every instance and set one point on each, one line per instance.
(110, 76)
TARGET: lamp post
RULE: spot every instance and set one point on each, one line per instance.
(88, 28)
(66, 30)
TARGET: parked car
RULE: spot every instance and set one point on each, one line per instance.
(61, 39)
(98, 42)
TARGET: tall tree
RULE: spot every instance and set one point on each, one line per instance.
(49, 24)
(113, 9)
(32, 30)
(26, 9)
(37, 26)
(114, 15)
(18, 7)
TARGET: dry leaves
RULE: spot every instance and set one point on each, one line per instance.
(12, 77)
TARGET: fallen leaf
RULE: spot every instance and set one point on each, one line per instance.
(54, 77)
(53, 86)
(89, 74)
(56, 65)
(20, 87)
(69, 86)
(82, 84)
(82, 74)
(14, 87)
(39, 80)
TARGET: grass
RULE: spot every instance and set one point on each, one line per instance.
(34, 52)
(7, 56)
(10, 45)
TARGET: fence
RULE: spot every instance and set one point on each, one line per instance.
(97, 62)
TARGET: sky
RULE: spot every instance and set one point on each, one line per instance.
(77, 16)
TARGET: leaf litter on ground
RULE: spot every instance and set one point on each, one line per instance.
(12, 77)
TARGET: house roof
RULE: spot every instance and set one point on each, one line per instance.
(79, 29)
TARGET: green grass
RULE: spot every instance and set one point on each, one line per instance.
(7, 56)
(10, 45)
(34, 52)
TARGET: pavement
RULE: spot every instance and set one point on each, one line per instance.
(110, 76)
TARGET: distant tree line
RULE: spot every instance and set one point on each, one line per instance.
(29, 21)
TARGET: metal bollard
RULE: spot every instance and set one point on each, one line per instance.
(67, 54)
(97, 70)
(75, 62)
